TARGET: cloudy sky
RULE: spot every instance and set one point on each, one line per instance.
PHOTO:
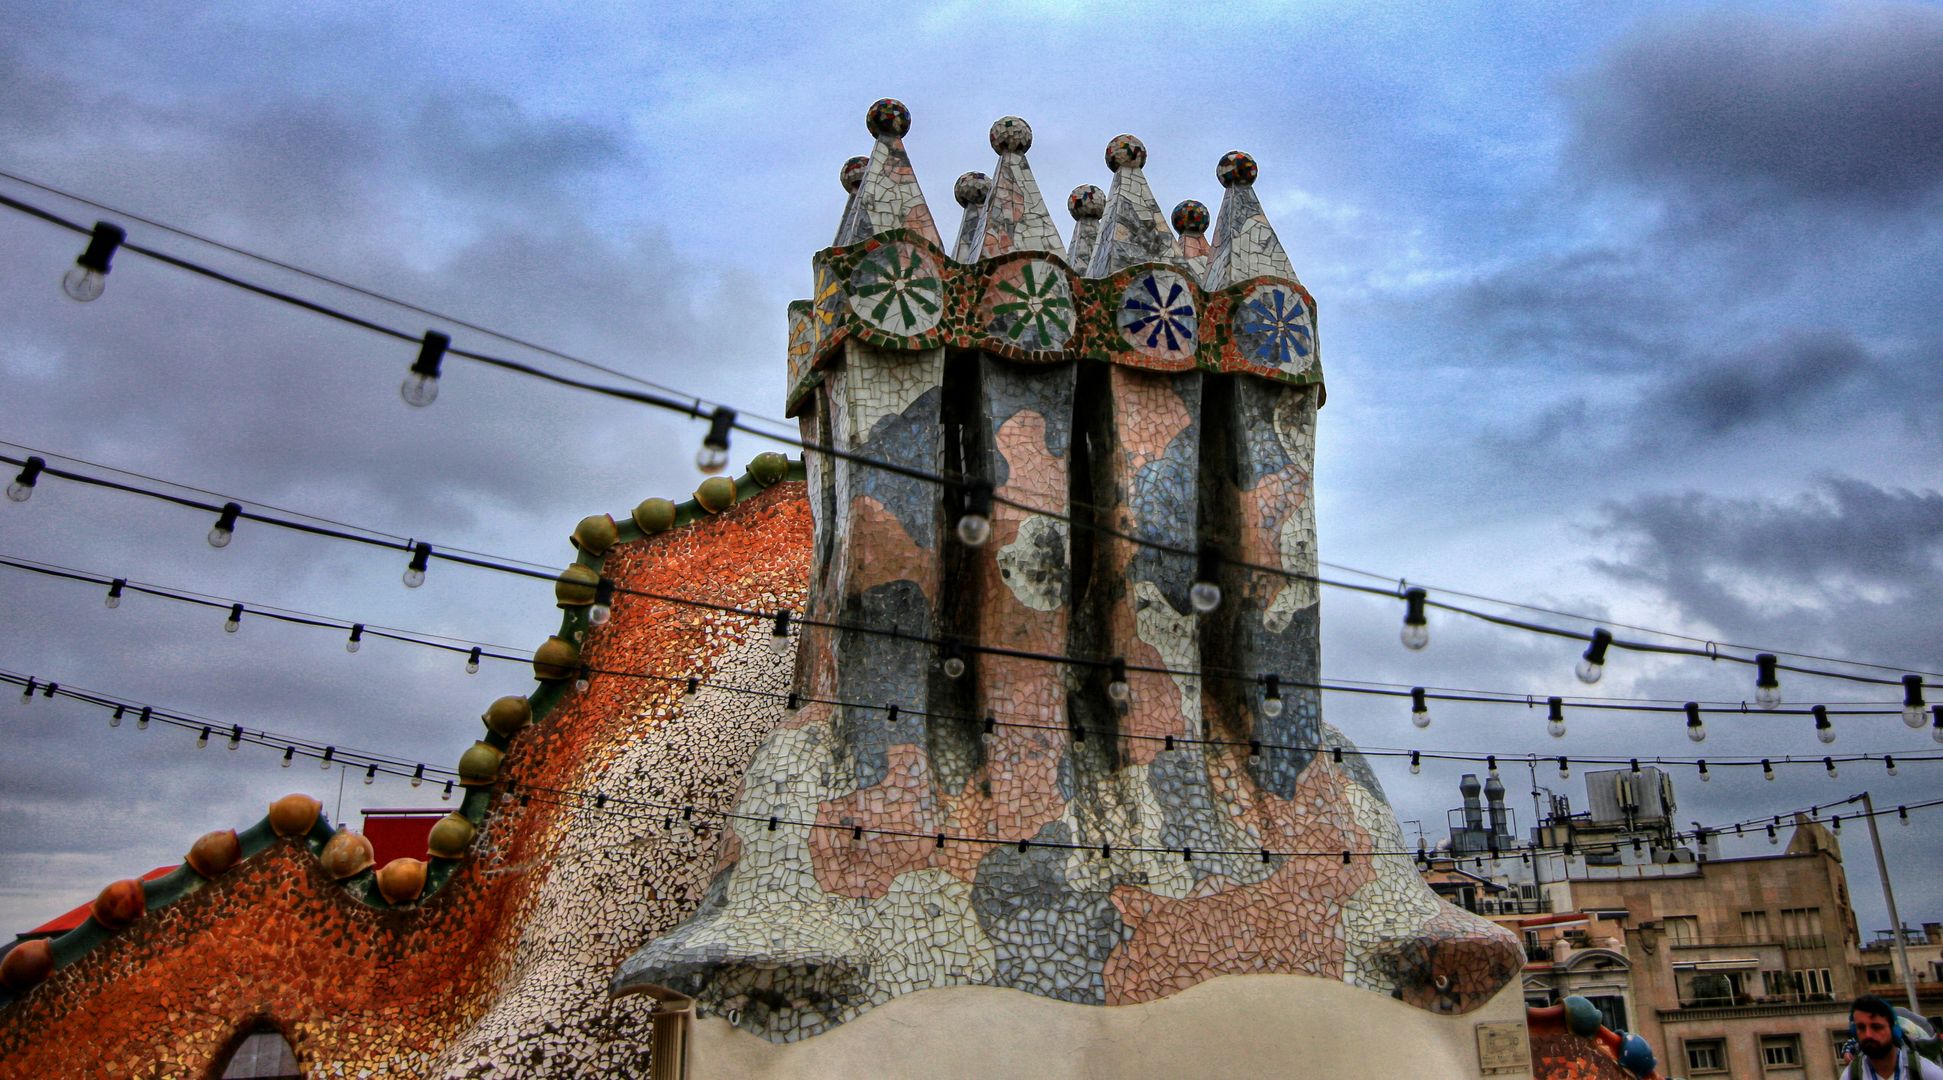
(1627, 314)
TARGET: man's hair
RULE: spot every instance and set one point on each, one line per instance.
(1874, 1006)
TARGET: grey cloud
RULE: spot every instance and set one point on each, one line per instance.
(1778, 380)
(1745, 106)
(1849, 567)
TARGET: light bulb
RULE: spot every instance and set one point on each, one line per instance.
(83, 284)
(711, 458)
(974, 530)
(1416, 762)
(1592, 666)
(1555, 728)
(289, 752)
(421, 385)
(1889, 763)
(115, 720)
(1205, 596)
(954, 668)
(1767, 770)
(1824, 730)
(114, 592)
(370, 774)
(600, 614)
(19, 492)
(1555, 722)
(1829, 764)
(1696, 728)
(1902, 815)
(414, 577)
(1272, 707)
(352, 643)
(1419, 707)
(1491, 765)
(235, 737)
(1767, 687)
(1564, 769)
(1589, 672)
(1936, 729)
(202, 740)
(324, 763)
(419, 390)
(235, 619)
(1913, 709)
(1773, 837)
(1420, 717)
(1416, 631)
(225, 527)
(447, 795)
(1704, 774)
(415, 570)
(418, 775)
(1826, 735)
(584, 681)
(1271, 696)
(27, 694)
(141, 719)
(472, 661)
(1116, 684)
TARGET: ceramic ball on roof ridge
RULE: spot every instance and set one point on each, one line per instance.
(972, 188)
(852, 175)
(1234, 168)
(1011, 135)
(1086, 203)
(1125, 151)
(888, 117)
(1191, 217)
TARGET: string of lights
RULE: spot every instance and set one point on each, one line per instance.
(236, 735)
(420, 388)
(1271, 684)
(478, 651)
(600, 801)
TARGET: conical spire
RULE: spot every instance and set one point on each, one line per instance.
(1132, 230)
(1086, 204)
(1244, 242)
(852, 177)
(888, 196)
(1014, 218)
(1191, 221)
(970, 190)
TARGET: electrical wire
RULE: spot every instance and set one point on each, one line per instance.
(692, 407)
(606, 802)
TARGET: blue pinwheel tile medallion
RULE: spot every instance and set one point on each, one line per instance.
(1272, 328)
(1159, 315)
(1030, 306)
(898, 289)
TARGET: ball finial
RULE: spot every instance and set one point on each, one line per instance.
(1191, 217)
(1086, 203)
(853, 173)
(888, 118)
(1236, 168)
(1011, 135)
(972, 188)
(1125, 151)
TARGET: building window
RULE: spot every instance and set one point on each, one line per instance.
(1612, 1011)
(1706, 1055)
(1781, 1051)
(1879, 976)
(1683, 929)
(1801, 927)
(1774, 984)
(264, 1054)
(1754, 925)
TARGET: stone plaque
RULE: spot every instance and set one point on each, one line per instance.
(1503, 1049)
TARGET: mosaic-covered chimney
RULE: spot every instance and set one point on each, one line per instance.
(1142, 410)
